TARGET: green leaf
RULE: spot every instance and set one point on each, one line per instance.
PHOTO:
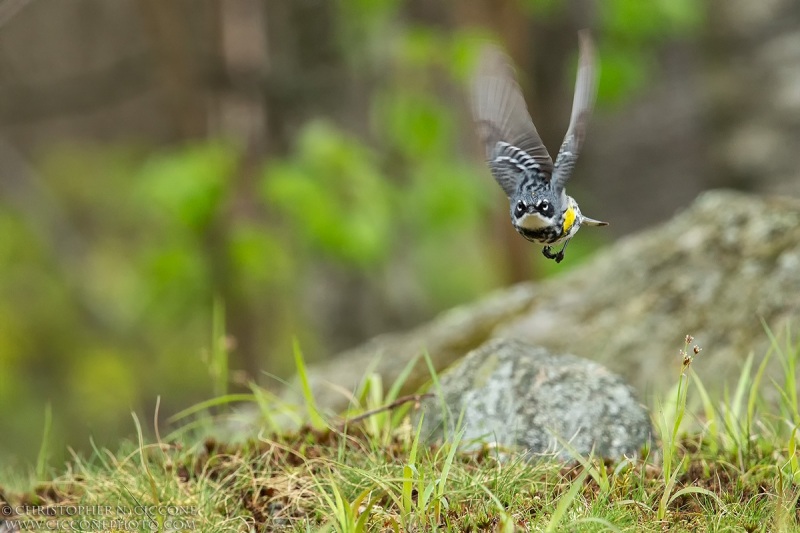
(415, 124)
(333, 195)
(188, 184)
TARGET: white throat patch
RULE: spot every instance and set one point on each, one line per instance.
(533, 221)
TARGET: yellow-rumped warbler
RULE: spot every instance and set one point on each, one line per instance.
(541, 211)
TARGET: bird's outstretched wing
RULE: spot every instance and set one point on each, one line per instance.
(582, 104)
(502, 119)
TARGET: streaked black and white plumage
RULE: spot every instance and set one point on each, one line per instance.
(541, 211)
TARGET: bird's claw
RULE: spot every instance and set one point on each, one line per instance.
(547, 251)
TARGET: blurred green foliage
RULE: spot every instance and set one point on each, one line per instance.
(123, 314)
(109, 304)
(333, 196)
(188, 187)
(629, 30)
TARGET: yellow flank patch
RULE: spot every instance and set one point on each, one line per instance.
(569, 219)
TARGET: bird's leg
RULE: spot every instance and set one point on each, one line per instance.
(547, 251)
(560, 255)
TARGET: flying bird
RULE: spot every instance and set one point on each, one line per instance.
(541, 210)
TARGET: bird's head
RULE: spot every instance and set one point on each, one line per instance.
(534, 211)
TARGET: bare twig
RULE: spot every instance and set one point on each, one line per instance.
(416, 398)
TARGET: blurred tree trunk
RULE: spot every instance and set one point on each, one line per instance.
(224, 100)
(310, 79)
(505, 18)
(170, 37)
(754, 50)
(240, 116)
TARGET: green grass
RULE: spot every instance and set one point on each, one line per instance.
(729, 465)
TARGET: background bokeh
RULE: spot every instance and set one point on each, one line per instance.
(307, 168)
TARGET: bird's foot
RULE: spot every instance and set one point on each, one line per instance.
(547, 251)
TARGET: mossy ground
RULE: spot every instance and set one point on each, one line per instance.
(727, 465)
(313, 480)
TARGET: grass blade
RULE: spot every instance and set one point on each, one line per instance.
(41, 459)
(314, 417)
(566, 502)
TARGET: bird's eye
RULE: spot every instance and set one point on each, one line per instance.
(544, 208)
(520, 209)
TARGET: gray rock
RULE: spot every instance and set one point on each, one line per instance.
(517, 395)
(715, 271)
